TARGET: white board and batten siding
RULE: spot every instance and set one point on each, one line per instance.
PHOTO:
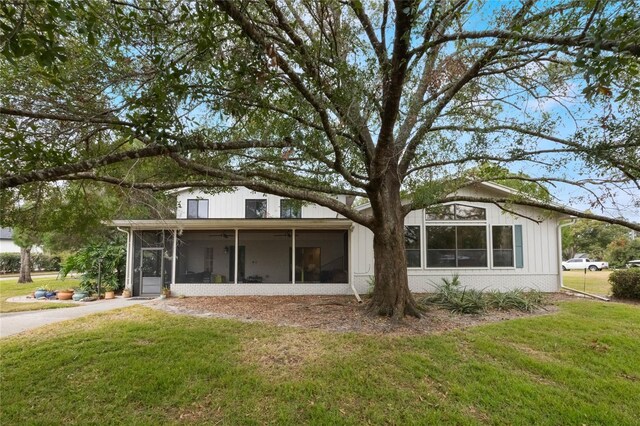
(540, 260)
(231, 205)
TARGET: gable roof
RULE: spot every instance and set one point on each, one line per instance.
(489, 185)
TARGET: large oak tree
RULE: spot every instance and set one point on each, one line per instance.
(398, 102)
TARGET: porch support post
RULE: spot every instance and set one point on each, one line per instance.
(235, 259)
(173, 257)
(130, 257)
(293, 256)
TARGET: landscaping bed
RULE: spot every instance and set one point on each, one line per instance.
(337, 313)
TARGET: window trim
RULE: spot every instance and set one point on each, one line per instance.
(198, 201)
(513, 249)
(458, 223)
(266, 208)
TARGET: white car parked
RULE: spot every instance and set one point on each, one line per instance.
(583, 263)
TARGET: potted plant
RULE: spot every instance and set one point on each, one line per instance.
(50, 292)
(40, 293)
(126, 293)
(166, 292)
(66, 294)
(80, 294)
(109, 291)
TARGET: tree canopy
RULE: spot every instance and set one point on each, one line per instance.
(308, 99)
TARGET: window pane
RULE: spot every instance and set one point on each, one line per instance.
(472, 246)
(412, 246)
(290, 209)
(192, 209)
(441, 246)
(203, 209)
(472, 237)
(470, 213)
(440, 213)
(441, 237)
(255, 209)
(502, 239)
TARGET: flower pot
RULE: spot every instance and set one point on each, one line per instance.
(49, 294)
(39, 293)
(109, 294)
(126, 293)
(79, 295)
(65, 295)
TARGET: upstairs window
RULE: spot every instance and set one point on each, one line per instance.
(197, 209)
(255, 209)
(290, 209)
(455, 212)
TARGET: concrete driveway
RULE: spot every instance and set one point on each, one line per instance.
(16, 322)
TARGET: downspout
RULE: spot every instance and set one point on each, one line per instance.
(351, 274)
(127, 273)
(560, 280)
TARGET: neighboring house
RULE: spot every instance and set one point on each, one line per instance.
(8, 246)
(240, 243)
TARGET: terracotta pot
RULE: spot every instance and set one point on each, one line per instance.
(126, 293)
(109, 294)
(65, 295)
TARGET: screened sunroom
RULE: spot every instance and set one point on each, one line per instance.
(234, 255)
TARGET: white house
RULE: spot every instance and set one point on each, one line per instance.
(7, 245)
(247, 243)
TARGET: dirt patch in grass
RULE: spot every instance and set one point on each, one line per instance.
(287, 355)
(334, 313)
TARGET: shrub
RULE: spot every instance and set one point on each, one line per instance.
(526, 301)
(109, 259)
(44, 262)
(625, 284)
(9, 262)
(452, 296)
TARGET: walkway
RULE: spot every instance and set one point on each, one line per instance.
(17, 322)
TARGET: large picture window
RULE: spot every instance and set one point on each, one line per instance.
(456, 246)
(412, 246)
(255, 209)
(502, 245)
(197, 209)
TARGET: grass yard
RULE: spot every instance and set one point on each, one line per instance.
(595, 282)
(11, 288)
(143, 366)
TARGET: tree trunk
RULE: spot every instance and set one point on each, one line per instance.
(25, 265)
(391, 296)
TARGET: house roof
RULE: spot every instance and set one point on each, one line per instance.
(489, 185)
(195, 224)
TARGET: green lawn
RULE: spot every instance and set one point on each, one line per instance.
(594, 282)
(11, 288)
(141, 366)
